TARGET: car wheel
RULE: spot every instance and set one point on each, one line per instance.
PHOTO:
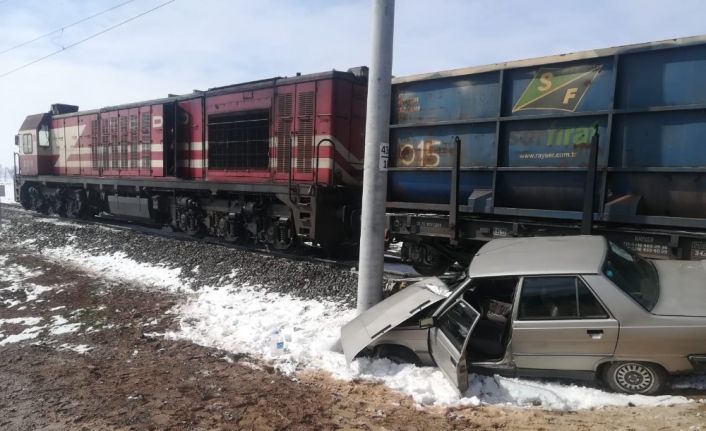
(398, 355)
(636, 378)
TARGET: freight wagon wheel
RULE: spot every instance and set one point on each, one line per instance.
(434, 269)
(425, 259)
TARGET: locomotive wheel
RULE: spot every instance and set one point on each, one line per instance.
(36, 201)
(281, 235)
(75, 208)
(193, 228)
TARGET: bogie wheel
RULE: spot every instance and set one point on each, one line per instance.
(431, 270)
(636, 378)
(398, 355)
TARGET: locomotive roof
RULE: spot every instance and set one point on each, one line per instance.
(32, 122)
(214, 91)
(560, 58)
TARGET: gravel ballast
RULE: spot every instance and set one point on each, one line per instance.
(203, 263)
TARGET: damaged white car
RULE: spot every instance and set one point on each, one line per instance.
(574, 307)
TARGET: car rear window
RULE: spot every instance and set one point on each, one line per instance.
(632, 274)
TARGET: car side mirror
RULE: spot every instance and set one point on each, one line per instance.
(17, 140)
(426, 323)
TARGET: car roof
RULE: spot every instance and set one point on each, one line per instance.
(540, 255)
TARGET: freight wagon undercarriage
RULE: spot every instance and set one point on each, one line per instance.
(432, 244)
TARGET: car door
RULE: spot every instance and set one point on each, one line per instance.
(560, 326)
(448, 340)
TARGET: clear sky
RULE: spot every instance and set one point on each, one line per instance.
(196, 44)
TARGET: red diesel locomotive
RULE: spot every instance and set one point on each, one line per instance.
(277, 161)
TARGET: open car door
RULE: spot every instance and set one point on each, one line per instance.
(448, 340)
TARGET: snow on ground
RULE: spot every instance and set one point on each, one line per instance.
(58, 222)
(81, 349)
(33, 328)
(9, 192)
(16, 279)
(243, 319)
(118, 266)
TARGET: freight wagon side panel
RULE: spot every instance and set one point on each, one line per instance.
(521, 135)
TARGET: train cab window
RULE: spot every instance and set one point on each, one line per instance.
(239, 141)
(43, 136)
(27, 143)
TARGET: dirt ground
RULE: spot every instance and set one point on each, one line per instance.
(133, 380)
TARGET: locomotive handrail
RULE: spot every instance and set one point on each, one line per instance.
(15, 163)
(333, 158)
(292, 136)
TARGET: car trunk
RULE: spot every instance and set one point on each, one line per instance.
(682, 288)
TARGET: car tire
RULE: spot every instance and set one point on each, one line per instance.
(398, 355)
(641, 378)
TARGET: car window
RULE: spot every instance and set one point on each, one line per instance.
(632, 274)
(456, 323)
(589, 307)
(548, 298)
(556, 298)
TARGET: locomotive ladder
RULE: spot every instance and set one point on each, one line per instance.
(306, 211)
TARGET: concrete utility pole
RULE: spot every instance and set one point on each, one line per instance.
(377, 149)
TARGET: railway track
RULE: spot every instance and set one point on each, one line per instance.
(394, 268)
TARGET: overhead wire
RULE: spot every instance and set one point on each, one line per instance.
(86, 39)
(12, 48)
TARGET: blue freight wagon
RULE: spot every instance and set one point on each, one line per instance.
(510, 150)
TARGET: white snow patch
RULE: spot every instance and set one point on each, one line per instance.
(9, 303)
(118, 266)
(81, 349)
(34, 291)
(9, 192)
(27, 334)
(248, 364)
(25, 321)
(59, 222)
(242, 320)
(16, 276)
(62, 326)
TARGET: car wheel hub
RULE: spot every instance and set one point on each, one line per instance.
(634, 377)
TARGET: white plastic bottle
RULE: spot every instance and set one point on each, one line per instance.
(276, 343)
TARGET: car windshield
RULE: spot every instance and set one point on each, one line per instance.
(633, 274)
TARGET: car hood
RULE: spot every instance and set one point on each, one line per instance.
(357, 334)
(682, 288)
